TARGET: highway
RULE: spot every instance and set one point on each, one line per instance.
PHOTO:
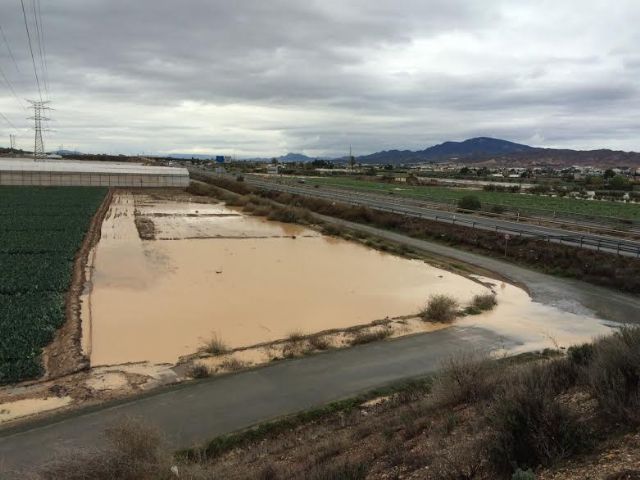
(409, 207)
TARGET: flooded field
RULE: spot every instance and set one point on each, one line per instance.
(251, 281)
(213, 271)
(151, 305)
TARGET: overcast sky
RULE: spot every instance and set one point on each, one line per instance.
(266, 77)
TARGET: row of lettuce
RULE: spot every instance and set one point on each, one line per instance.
(41, 230)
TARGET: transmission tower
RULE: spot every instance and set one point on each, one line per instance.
(39, 107)
(12, 141)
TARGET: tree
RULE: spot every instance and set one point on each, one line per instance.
(608, 173)
(618, 182)
(465, 171)
(469, 202)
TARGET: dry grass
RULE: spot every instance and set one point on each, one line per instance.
(198, 370)
(484, 302)
(215, 346)
(296, 336)
(232, 364)
(613, 375)
(440, 308)
(319, 342)
(134, 451)
(367, 336)
(466, 377)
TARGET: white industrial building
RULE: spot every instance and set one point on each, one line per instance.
(24, 171)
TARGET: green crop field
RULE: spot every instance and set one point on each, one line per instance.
(41, 229)
(627, 211)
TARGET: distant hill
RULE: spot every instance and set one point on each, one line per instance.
(497, 152)
(295, 157)
(473, 147)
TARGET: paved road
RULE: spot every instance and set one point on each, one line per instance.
(411, 207)
(193, 413)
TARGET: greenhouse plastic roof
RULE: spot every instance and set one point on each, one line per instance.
(80, 166)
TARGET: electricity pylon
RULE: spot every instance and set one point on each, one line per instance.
(38, 145)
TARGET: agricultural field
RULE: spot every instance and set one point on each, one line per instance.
(512, 200)
(41, 229)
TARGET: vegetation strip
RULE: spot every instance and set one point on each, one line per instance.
(495, 198)
(41, 230)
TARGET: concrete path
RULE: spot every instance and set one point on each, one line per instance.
(193, 413)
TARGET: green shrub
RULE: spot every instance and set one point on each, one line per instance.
(580, 355)
(523, 475)
(469, 202)
(440, 308)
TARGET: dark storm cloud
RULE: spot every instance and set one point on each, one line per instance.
(260, 77)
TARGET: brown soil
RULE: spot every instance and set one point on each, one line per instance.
(64, 355)
(146, 227)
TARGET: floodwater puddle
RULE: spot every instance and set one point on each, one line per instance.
(213, 271)
(532, 325)
(158, 300)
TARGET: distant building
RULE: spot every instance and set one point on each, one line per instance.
(273, 169)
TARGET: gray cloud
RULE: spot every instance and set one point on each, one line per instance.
(254, 77)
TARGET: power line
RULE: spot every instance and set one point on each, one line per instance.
(8, 121)
(33, 60)
(44, 47)
(39, 40)
(8, 82)
(6, 42)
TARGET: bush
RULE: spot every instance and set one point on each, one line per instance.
(469, 202)
(440, 308)
(580, 355)
(530, 426)
(465, 378)
(484, 302)
(215, 346)
(614, 375)
(523, 475)
(134, 451)
(198, 370)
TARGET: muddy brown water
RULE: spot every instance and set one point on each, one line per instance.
(250, 280)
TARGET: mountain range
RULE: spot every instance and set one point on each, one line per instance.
(485, 151)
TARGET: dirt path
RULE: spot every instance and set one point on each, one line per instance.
(64, 355)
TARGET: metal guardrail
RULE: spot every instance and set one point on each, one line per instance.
(593, 242)
(577, 220)
(618, 247)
